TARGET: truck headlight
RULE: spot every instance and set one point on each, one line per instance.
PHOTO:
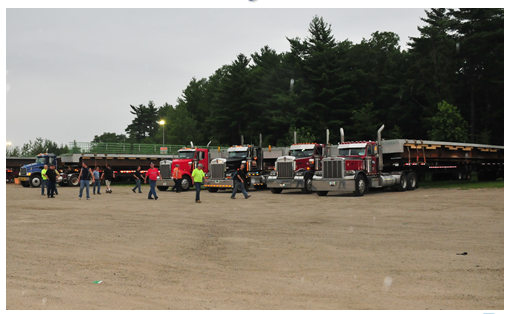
(273, 173)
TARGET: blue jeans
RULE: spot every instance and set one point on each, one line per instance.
(152, 191)
(198, 185)
(50, 187)
(97, 183)
(43, 184)
(239, 185)
(86, 184)
(138, 186)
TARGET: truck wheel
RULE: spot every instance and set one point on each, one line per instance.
(308, 184)
(412, 181)
(322, 193)
(35, 181)
(73, 181)
(276, 191)
(185, 183)
(402, 182)
(162, 188)
(25, 184)
(212, 190)
(360, 185)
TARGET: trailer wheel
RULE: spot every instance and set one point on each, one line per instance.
(162, 188)
(322, 193)
(360, 185)
(185, 183)
(276, 191)
(308, 184)
(212, 190)
(73, 181)
(35, 181)
(402, 182)
(412, 181)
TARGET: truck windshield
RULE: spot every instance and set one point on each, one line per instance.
(351, 151)
(40, 160)
(301, 152)
(240, 154)
(186, 154)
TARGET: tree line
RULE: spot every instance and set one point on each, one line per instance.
(447, 86)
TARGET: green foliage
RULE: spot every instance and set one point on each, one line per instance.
(364, 122)
(38, 146)
(303, 135)
(107, 137)
(145, 123)
(448, 124)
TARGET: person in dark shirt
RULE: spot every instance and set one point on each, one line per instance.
(108, 176)
(52, 175)
(239, 180)
(84, 178)
(138, 179)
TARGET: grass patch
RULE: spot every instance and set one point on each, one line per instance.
(463, 185)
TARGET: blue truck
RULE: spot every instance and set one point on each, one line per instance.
(30, 174)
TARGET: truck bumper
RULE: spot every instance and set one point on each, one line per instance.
(333, 185)
(273, 182)
(219, 183)
(165, 182)
(24, 178)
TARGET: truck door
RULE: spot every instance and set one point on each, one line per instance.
(371, 160)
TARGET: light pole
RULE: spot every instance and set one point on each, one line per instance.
(162, 122)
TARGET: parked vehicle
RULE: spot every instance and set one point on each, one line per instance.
(400, 163)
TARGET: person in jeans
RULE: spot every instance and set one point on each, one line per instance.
(52, 176)
(108, 176)
(44, 178)
(177, 175)
(197, 177)
(84, 178)
(97, 182)
(239, 180)
(138, 179)
(152, 174)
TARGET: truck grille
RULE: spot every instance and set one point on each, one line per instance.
(333, 168)
(217, 170)
(285, 169)
(23, 172)
(165, 170)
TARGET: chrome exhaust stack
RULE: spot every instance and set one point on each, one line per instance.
(342, 135)
(380, 148)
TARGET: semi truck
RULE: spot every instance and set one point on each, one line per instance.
(222, 170)
(69, 166)
(400, 163)
(187, 159)
(296, 170)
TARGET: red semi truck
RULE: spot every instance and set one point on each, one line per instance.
(400, 163)
(187, 159)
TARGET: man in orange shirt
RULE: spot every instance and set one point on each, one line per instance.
(177, 179)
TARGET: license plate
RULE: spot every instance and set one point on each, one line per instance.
(164, 183)
(23, 178)
(282, 184)
(332, 183)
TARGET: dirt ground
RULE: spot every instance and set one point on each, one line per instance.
(385, 250)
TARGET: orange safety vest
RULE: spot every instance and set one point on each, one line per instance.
(177, 173)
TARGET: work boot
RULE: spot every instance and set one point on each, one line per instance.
(232, 197)
(247, 197)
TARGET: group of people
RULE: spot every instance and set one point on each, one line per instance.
(86, 174)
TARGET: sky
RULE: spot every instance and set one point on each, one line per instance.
(71, 73)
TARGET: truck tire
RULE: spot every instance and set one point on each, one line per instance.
(35, 181)
(162, 188)
(412, 181)
(73, 181)
(360, 185)
(212, 190)
(276, 191)
(185, 183)
(25, 184)
(322, 193)
(308, 184)
(402, 182)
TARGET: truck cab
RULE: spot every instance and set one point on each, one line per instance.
(222, 170)
(296, 170)
(30, 174)
(359, 156)
(187, 159)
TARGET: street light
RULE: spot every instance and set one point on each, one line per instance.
(162, 122)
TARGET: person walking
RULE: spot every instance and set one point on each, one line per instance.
(84, 178)
(152, 174)
(44, 179)
(52, 176)
(239, 180)
(108, 176)
(138, 179)
(97, 182)
(197, 177)
(177, 175)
